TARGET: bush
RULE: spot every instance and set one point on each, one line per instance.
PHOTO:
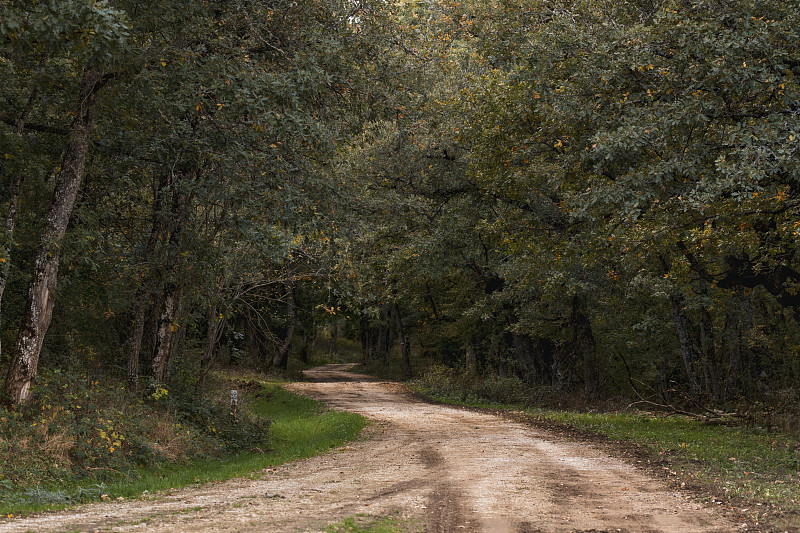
(451, 385)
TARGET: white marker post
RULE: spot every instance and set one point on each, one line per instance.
(234, 402)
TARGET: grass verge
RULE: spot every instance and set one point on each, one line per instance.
(300, 428)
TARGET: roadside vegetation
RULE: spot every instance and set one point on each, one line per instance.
(371, 524)
(104, 447)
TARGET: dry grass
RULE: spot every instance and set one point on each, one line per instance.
(57, 446)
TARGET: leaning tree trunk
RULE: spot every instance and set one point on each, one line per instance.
(41, 292)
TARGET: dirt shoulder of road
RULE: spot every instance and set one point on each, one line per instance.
(656, 466)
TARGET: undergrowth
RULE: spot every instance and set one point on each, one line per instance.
(75, 430)
(79, 442)
(448, 385)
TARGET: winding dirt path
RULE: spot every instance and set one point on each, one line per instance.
(443, 469)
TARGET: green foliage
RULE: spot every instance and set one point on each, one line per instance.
(591, 198)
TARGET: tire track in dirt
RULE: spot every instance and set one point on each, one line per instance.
(443, 469)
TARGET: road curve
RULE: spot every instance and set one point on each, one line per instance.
(441, 469)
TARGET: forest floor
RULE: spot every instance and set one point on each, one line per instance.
(430, 467)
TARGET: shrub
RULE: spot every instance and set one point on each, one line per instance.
(451, 385)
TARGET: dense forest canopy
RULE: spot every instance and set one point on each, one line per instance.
(599, 198)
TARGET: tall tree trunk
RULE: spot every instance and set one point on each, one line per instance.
(733, 327)
(332, 347)
(685, 340)
(13, 205)
(143, 289)
(41, 292)
(178, 334)
(584, 341)
(312, 343)
(309, 340)
(209, 350)
(386, 334)
(753, 365)
(708, 349)
(380, 343)
(167, 325)
(168, 318)
(281, 358)
(405, 347)
(469, 359)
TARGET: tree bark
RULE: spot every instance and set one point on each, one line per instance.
(470, 361)
(41, 292)
(167, 322)
(380, 343)
(309, 340)
(386, 335)
(212, 337)
(584, 341)
(405, 347)
(708, 349)
(332, 348)
(178, 334)
(281, 359)
(142, 291)
(13, 205)
(685, 340)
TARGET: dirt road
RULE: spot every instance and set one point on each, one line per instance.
(442, 469)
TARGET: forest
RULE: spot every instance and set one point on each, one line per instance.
(588, 200)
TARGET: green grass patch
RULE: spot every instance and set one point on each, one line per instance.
(300, 428)
(367, 524)
(748, 463)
